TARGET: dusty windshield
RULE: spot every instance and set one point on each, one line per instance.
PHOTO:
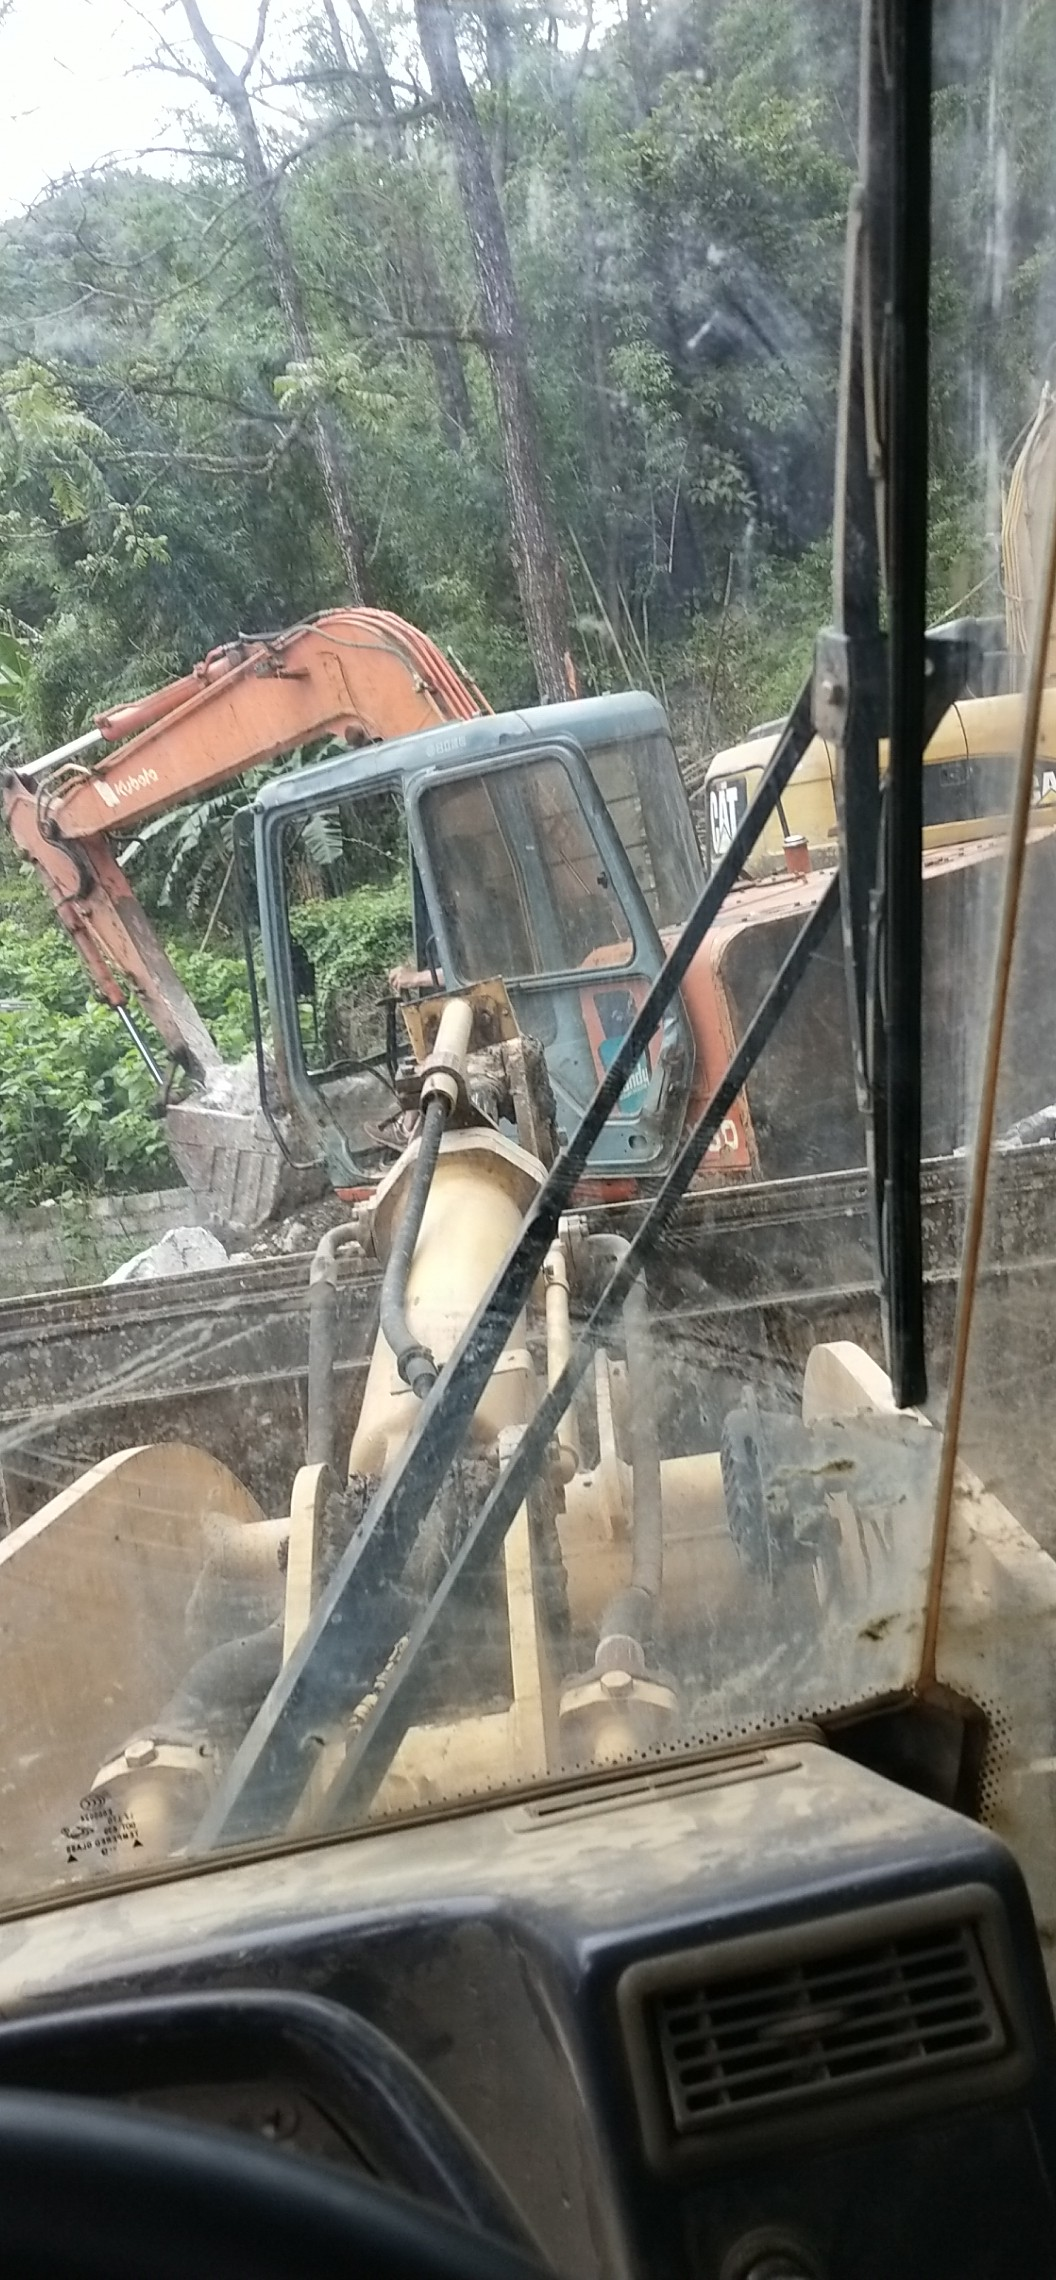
(447, 1355)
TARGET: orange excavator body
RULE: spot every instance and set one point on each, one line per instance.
(359, 674)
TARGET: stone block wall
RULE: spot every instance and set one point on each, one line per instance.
(82, 1240)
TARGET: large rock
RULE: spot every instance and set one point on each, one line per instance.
(180, 1251)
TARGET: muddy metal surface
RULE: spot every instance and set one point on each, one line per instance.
(217, 1359)
(790, 1266)
(749, 1281)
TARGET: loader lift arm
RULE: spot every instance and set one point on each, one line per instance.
(363, 675)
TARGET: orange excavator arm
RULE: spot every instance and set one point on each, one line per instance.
(360, 674)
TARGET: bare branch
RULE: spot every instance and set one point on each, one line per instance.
(376, 64)
(176, 64)
(336, 35)
(205, 462)
(160, 386)
(257, 41)
(175, 70)
(226, 82)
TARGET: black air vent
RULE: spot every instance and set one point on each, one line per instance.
(809, 2030)
(884, 2012)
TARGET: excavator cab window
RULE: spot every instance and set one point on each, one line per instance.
(639, 782)
(348, 896)
(339, 898)
(522, 872)
(524, 864)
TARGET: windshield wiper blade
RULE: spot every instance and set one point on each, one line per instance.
(895, 1043)
(360, 1615)
(864, 680)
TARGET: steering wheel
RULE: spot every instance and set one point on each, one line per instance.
(92, 2192)
(90, 2188)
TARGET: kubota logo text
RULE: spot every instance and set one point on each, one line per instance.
(113, 794)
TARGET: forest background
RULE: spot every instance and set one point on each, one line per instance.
(519, 320)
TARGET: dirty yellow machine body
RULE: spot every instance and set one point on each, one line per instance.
(184, 1601)
(677, 1574)
(967, 774)
(171, 1566)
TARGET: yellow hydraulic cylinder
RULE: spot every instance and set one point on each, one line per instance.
(481, 1189)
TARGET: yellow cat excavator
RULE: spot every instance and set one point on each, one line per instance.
(968, 763)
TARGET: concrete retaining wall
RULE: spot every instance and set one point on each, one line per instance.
(63, 1245)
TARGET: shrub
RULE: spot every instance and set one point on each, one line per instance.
(353, 942)
(76, 1100)
(75, 1103)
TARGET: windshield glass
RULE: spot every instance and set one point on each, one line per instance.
(433, 453)
(641, 791)
(521, 843)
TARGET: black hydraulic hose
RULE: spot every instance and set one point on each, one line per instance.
(630, 1613)
(415, 1363)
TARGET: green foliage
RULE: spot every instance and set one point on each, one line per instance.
(676, 221)
(339, 379)
(16, 662)
(194, 846)
(182, 859)
(768, 642)
(217, 983)
(355, 940)
(76, 1102)
(358, 935)
(74, 1097)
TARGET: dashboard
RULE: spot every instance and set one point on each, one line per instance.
(766, 2016)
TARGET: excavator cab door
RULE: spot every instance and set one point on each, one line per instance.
(526, 876)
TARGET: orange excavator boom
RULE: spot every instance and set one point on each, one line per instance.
(359, 674)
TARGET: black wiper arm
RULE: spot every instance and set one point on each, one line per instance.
(865, 682)
(360, 1617)
(895, 1043)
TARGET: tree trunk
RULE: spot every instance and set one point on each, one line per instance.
(600, 444)
(337, 37)
(230, 89)
(645, 76)
(537, 565)
(497, 48)
(423, 278)
(639, 59)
